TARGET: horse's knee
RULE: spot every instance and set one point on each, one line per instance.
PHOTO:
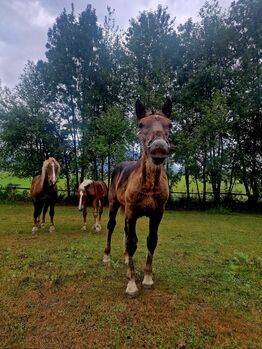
(52, 211)
(151, 243)
(131, 245)
(111, 224)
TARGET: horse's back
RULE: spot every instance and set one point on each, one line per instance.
(122, 172)
(119, 180)
(101, 189)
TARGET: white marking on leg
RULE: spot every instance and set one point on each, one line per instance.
(34, 229)
(126, 259)
(97, 227)
(131, 288)
(106, 258)
(83, 227)
(52, 229)
(148, 281)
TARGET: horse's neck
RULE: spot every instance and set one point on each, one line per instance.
(42, 179)
(150, 173)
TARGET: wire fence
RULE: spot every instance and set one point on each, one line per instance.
(192, 194)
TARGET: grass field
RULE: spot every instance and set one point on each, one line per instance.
(56, 293)
(180, 186)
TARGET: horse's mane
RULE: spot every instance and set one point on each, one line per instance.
(85, 183)
(49, 161)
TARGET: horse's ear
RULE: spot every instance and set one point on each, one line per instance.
(140, 109)
(167, 107)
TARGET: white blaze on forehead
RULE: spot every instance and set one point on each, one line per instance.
(80, 200)
(85, 183)
(53, 173)
(81, 189)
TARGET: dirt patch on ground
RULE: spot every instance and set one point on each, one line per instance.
(83, 316)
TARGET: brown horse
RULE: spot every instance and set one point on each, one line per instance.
(44, 193)
(92, 193)
(141, 189)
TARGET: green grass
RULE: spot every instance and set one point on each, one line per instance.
(181, 187)
(56, 293)
(6, 178)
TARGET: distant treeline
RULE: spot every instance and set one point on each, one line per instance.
(78, 104)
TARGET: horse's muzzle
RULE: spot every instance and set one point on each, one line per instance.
(158, 150)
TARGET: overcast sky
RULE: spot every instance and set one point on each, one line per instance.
(24, 25)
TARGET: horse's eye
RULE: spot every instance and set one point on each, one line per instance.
(170, 125)
(140, 125)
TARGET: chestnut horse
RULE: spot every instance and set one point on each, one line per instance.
(141, 189)
(92, 193)
(44, 193)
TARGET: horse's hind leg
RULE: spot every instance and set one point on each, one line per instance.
(113, 208)
(38, 205)
(100, 210)
(96, 226)
(84, 217)
(151, 245)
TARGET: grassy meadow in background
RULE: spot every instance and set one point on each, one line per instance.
(56, 293)
(180, 186)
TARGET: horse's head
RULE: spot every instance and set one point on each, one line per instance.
(82, 192)
(154, 131)
(52, 169)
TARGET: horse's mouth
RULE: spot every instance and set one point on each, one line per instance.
(158, 160)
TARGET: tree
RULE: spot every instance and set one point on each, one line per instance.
(114, 135)
(150, 39)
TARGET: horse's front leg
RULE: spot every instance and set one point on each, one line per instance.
(100, 210)
(38, 205)
(44, 213)
(96, 226)
(84, 217)
(52, 213)
(154, 222)
(131, 246)
(113, 208)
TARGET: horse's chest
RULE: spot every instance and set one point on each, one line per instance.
(148, 201)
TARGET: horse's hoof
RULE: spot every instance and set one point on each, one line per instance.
(148, 286)
(97, 228)
(52, 229)
(132, 295)
(131, 289)
(83, 228)
(106, 258)
(148, 282)
(34, 230)
(42, 225)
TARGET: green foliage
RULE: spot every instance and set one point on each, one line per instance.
(69, 106)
